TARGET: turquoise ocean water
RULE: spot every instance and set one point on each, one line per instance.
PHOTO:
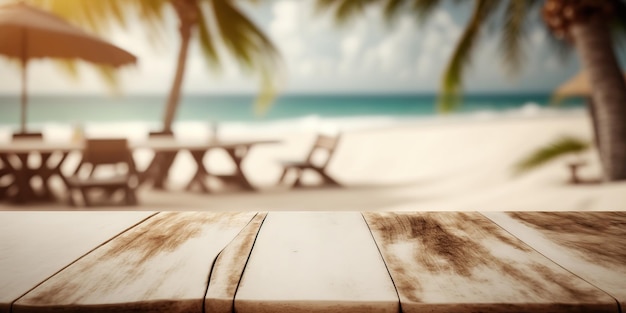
(239, 108)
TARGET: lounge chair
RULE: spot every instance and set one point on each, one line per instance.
(323, 145)
(108, 152)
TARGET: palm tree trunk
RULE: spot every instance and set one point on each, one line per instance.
(173, 99)
(24, 63)
(608, 92)
(594, 122)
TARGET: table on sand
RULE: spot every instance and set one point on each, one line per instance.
(166, 149)
(312, 262)
(14, 158)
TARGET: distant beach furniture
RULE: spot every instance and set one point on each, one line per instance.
(28, 135)
(577, 86)
(237, 151)
(7, 172)
(317, 161)
(166, 147)
(158, 169)
(29, 33)
(19, 173)
(7, 178)
(105, 152)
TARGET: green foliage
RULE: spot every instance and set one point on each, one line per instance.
(424, 8)
(250, 47)
(562, 146)
(514, 32)
(218, 20)
(511, 16)
(451, 86)
(345, 10)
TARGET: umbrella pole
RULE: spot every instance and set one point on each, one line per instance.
(24, 74)
(24, 97)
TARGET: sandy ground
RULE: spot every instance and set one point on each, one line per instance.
(459, 165)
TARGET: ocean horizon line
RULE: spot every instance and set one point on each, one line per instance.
(291, 93)
(241, 108)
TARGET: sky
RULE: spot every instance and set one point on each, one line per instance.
(367, 55)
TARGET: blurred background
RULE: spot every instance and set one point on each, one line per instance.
(435, 105)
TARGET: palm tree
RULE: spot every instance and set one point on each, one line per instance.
(585, 25)
(205, 20)
(557, 149)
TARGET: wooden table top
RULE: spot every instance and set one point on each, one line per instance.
(160, 265)
(312, 261)
(592, 245)
(36, 245)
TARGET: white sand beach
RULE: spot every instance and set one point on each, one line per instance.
(451, 164)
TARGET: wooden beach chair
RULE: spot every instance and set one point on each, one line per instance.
(105, 152)
(324, 145)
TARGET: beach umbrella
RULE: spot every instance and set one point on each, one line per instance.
(30, 33)
(577, 86)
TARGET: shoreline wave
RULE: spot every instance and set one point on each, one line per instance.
(199, 129)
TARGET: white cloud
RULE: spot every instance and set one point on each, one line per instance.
(538, 37)
(350, 46)
(423, 66)
(287, 16)
(551, 62)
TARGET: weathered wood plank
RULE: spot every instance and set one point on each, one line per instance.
(591, 245)
(229, 267)
(462, 262)
(35, 245)
(161, 265)
(315, 262)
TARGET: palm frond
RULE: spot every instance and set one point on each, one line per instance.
(110, 76)
(554, 150)
(348, 10)
(344, 10)
(322, 6)
(266, 95)
(514, 33)
(250, 47)
(451, 86)
(70, 67)
(207, 43)
(424, 9)
(391, 9)
(97, 17)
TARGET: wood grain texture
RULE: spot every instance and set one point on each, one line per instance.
(35, 245)
(229, 268)
(315, 262)
(592, 245)
(162, 265)
(462, 262)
